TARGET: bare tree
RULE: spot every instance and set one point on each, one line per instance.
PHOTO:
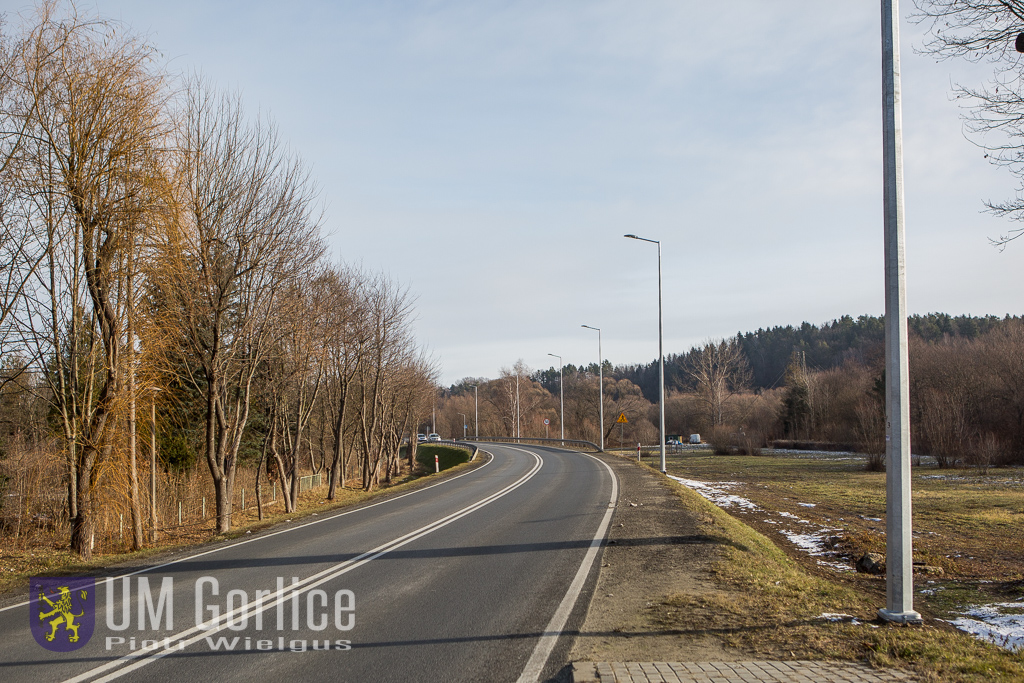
(719, 370)
(294, 376)
(389, 352)
(89, 107)
(245, 229)
(344, 342)
(986, 30)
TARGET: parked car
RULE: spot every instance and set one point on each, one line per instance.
(695, 438)
(433, 437)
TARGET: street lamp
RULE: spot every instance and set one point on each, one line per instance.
(464, 426)
(600, 382)
(476, 410)
(561, 395)
(661, 355)
(899, 585)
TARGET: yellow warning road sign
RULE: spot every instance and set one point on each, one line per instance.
(622, 419)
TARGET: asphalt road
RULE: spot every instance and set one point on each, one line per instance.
(471, 579)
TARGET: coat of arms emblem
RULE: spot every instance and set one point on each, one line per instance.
(62, 611)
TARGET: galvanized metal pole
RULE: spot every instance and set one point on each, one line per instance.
(661, 354)
(476, 410)
(899, 591)
(600, 387)
(561, 394)
(661, 366)
(600, 381)
(518, 435)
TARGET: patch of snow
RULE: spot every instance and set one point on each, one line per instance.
(835, 617)
(717, 494)
(790, 515)
(812, 542)
(990, 623)
(838, 566)
(808, 505)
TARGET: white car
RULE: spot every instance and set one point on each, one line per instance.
(433, 437)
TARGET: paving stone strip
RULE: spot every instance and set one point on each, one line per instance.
(733, 672)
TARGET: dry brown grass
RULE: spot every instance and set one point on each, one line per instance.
(774, 595)
(48, 554)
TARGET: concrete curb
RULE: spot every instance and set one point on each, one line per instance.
(733, 672)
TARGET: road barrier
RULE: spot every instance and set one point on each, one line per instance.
(579, 444)
(472, 448)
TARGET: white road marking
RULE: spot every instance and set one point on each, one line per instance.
(282, 531)
(535, 666)
(140, 658)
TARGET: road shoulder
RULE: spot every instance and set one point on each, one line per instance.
(655, 550)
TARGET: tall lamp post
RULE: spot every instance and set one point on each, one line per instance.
(561, 395)
(899, 585)
(661, 355)
(600, 383)
(476, 410)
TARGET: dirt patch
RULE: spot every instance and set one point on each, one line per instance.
(655, 551)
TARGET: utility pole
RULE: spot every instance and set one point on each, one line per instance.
(899, 587)
(476, 410)
(561, 396)
(600, 384)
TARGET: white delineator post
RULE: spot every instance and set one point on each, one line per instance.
(437, 465)
(899, 588)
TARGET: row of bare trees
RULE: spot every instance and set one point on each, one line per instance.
(967, 402)
(159, 244)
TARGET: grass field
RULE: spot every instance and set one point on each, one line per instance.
(447, 456)
(797, 523)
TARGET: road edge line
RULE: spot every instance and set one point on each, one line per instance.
(542, 652)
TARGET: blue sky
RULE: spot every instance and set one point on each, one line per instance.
(490, 156)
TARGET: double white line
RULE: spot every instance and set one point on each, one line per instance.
(140, 658)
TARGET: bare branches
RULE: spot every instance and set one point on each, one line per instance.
(719, 369)
(971, 29)
(986, 30)
(147, 239)
(246, 232)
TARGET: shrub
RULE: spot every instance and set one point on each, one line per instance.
(447, 456)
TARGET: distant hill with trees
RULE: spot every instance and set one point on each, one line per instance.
(769, 351)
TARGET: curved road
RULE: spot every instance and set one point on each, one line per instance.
(470, 579)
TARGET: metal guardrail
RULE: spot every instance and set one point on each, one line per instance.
(472, 448)
(526, 439)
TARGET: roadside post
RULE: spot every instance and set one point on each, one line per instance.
(638, 453)
(899, 585)
(437, 465)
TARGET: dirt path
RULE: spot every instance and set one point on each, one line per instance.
(655, 550)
